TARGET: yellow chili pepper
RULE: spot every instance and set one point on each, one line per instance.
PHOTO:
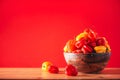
(100, 49)
(65, 48)
(45, 65)
(84, 34)
(108, 48)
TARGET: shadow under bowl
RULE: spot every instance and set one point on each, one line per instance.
(88, 63)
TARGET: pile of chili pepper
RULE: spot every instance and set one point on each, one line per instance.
(87, 42)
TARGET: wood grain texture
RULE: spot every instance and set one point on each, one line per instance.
(37, 73)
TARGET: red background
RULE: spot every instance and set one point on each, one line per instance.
(35, 31)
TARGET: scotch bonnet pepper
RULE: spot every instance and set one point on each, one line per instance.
(100, 49)
(45, 65)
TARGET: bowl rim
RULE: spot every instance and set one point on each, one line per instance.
(87, 53)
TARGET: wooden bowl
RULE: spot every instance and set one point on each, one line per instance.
(88, 63)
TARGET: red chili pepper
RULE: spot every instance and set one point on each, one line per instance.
(87, 30)
(77, 51)
(53, 69)
(88, 40)
(86, 49)
(92, 44)
(91, 34)
(70, 70)
(80, 43)
(100, 41)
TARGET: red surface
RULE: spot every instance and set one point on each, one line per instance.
(35, 31)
